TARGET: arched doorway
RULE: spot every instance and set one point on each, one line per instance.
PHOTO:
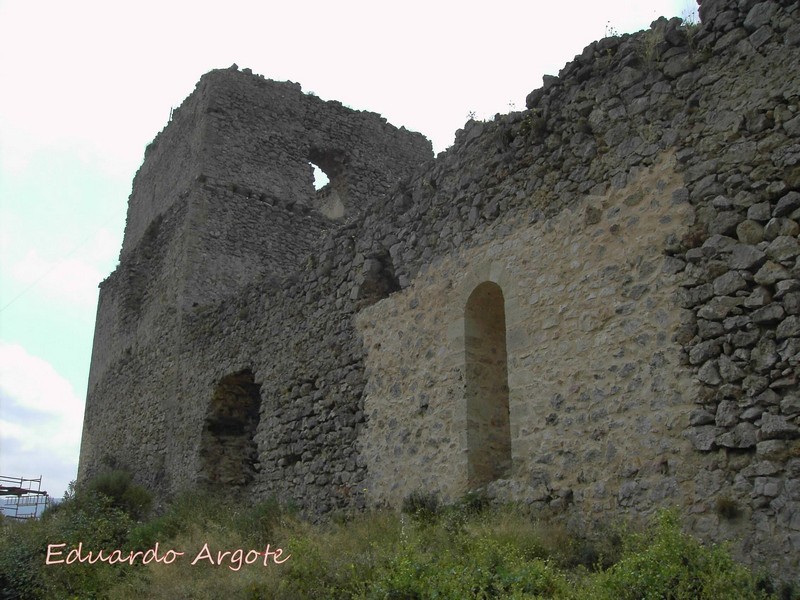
(228, 451)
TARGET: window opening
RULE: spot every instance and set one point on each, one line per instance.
(328, 167)
(320, 178)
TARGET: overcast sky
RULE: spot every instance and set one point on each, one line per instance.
(86, 85)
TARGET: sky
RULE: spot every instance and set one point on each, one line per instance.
(85, 85)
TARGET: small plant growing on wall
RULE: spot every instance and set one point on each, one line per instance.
(727, 508)
(533, 123)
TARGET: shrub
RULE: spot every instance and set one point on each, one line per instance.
(21, 560)
(474, 502)
(124, 494)
(482, 568)
(422, 505)
(668, 564)
(86, 518)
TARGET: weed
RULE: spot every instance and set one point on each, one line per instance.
(474, 502)
(422, 505)
(124, 494)
(650, 45)
(727, 508)
(533, 124)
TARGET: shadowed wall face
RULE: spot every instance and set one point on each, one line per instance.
(488, 427)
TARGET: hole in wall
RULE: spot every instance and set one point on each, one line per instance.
(291, 459)
(379, 279)
(328, 168)
(320, 178)
(486, 391)
(228, 450)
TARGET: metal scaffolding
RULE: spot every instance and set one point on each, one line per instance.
(24, 498)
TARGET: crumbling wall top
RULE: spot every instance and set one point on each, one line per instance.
(254, 135)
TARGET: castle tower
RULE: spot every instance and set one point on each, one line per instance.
(225, 199)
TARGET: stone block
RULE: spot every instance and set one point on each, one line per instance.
(727, 414)
(729, 283)
(789, 327)
(760, 15)
(774, 427)
(750, 232)
(745, 256)
(771, 273)
(742, 436)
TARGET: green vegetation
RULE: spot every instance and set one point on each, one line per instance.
(466, 550)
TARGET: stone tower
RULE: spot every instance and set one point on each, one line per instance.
(224, 200)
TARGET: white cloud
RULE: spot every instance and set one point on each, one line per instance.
(10, 431)
(41, 420)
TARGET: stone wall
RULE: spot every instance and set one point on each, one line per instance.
(635, 229)
(597, 398)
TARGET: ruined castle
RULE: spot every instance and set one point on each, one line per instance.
(591, 305)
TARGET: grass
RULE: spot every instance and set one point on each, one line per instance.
(469, 550)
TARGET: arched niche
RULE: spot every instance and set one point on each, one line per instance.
(486, 386)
